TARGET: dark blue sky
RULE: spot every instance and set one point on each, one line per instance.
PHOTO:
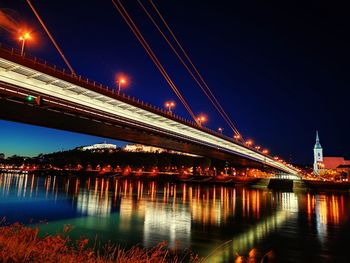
(279, 68)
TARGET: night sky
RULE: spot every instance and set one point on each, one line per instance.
(279, 68)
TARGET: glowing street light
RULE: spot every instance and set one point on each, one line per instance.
(257, 147)
(237, 137)
(120, 81)
(275, 158)
(265, 151)
(201, 119)
(170, 105)
(249, 143)
(220, 129)
(24, 37)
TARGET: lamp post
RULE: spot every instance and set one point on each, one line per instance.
(220, 129)
(237, 137)
(249, 143)
(201, 119)
(170, 105)
(24, 38)
(120, 82)
(265, 152)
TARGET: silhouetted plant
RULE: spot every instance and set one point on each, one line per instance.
(19, 243)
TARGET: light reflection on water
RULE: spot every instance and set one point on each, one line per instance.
(189, 216)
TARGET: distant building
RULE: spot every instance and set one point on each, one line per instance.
(334, 162)
(99, 147)
(151, 149)
(143, 148)
(328, 165)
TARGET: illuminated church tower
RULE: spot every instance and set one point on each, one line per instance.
(318, 154)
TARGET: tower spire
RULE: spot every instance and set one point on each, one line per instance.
(317, 144)
(318, 155)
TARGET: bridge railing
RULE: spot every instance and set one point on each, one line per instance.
(62, 73)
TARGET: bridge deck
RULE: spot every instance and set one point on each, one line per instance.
(80, 98)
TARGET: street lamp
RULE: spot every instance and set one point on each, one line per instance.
(170, 105)
(201, 119)
(266, 152)
(220, 129)
(257, 147)
(120, 82)
(237, 137)
(249, 143)
(24, 37)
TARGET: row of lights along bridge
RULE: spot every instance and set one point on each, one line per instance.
(169, 104)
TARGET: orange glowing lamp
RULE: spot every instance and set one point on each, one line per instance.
(265, 151)
(23, 38)
(201, 119)
(249, 142)
(121, 81)
(170, 105)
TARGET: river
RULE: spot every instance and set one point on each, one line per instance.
(217, 222)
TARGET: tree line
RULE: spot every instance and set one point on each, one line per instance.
(73, 158)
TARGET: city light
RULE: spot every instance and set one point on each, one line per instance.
(201, 119)
(23, 38)
(249, 143)
(265, 151)
(121, 81)
(257, 148)
(237, 137)
(170, 105)
(220, 129)
(30, 98)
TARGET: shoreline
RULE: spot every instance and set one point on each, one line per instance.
(254, 182)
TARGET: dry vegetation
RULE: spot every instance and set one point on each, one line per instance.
(19, 243)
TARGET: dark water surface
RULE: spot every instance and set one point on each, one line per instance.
(218, 221)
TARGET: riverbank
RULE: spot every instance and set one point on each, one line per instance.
(326, 185)
(147, 176)
(19, 243)
(167, 177)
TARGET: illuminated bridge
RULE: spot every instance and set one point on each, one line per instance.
(70, 102)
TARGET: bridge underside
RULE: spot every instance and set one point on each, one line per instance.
(13, 108)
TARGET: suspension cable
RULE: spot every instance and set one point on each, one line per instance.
(51, 38)
(150, 52)
(125, 15)
(222, 111)
(223, 114)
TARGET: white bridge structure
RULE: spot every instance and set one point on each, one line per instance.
(31, 91)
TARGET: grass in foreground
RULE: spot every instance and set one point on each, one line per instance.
(19, 243)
